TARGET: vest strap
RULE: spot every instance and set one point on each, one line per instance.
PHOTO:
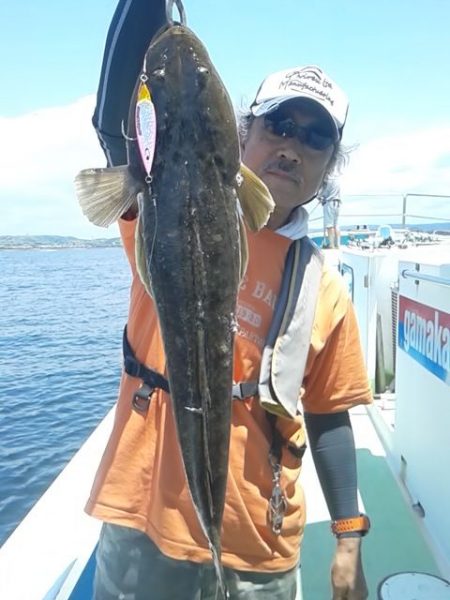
(152, 380)
(245, 389)
(136, 369)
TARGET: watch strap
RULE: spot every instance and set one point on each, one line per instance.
(359, 524)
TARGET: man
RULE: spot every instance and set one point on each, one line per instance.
(151, 546)
(330, 198)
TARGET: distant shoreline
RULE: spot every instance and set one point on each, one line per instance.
(48, 242)
(57, 242)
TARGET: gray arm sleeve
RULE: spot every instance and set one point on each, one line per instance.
(333, 451)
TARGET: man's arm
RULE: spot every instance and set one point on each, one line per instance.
(333, 450)
(133, 25)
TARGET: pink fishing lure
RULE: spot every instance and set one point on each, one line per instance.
(145, 126)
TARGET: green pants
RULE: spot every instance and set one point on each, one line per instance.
(130, 567)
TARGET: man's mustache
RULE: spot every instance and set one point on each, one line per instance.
(285, 165)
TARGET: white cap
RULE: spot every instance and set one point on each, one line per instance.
(302, 82)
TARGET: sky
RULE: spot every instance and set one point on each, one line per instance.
(392, 58)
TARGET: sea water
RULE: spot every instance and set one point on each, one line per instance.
(62, 313)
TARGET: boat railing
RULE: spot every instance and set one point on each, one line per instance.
(408, 274)
(386, 204)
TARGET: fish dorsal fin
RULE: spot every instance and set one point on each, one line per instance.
(256, 201)
(106, 194)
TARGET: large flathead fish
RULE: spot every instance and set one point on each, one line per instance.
(191, 191)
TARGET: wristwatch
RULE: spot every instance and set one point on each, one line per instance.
(361, 524)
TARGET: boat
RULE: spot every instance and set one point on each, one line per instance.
(399, 280)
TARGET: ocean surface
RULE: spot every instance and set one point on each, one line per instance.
(62, 314)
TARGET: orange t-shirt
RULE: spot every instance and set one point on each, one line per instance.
(141, 482)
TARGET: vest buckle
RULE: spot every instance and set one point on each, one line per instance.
(141, 398)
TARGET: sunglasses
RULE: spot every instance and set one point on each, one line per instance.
(312, 136)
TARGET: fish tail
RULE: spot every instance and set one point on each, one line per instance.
(106, 194)
(206, 406)
(221, 590)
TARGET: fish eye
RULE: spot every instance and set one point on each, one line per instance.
(202, 77)
(159, 73)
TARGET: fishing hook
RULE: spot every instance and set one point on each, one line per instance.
(124, 133)
(169, 12)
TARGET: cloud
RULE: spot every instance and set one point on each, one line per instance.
(383, 171)
(413, 163)
(42, 151)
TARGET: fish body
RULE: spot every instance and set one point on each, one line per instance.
(190, 246)
(189, 228)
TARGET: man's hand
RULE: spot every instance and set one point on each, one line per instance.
(347, 577)
(131, 213)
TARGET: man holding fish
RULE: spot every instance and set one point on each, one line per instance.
(198, 484)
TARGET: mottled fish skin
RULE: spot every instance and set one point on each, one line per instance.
(190, 230)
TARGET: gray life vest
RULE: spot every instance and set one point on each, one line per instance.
(287, 345)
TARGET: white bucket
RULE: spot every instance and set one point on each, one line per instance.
(413, 586)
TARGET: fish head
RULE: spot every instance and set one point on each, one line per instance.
(186, 89)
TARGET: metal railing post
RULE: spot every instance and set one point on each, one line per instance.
(405, 196)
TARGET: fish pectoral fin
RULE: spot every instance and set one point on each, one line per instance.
(243, 247)
(256, 201)
(106, 194)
